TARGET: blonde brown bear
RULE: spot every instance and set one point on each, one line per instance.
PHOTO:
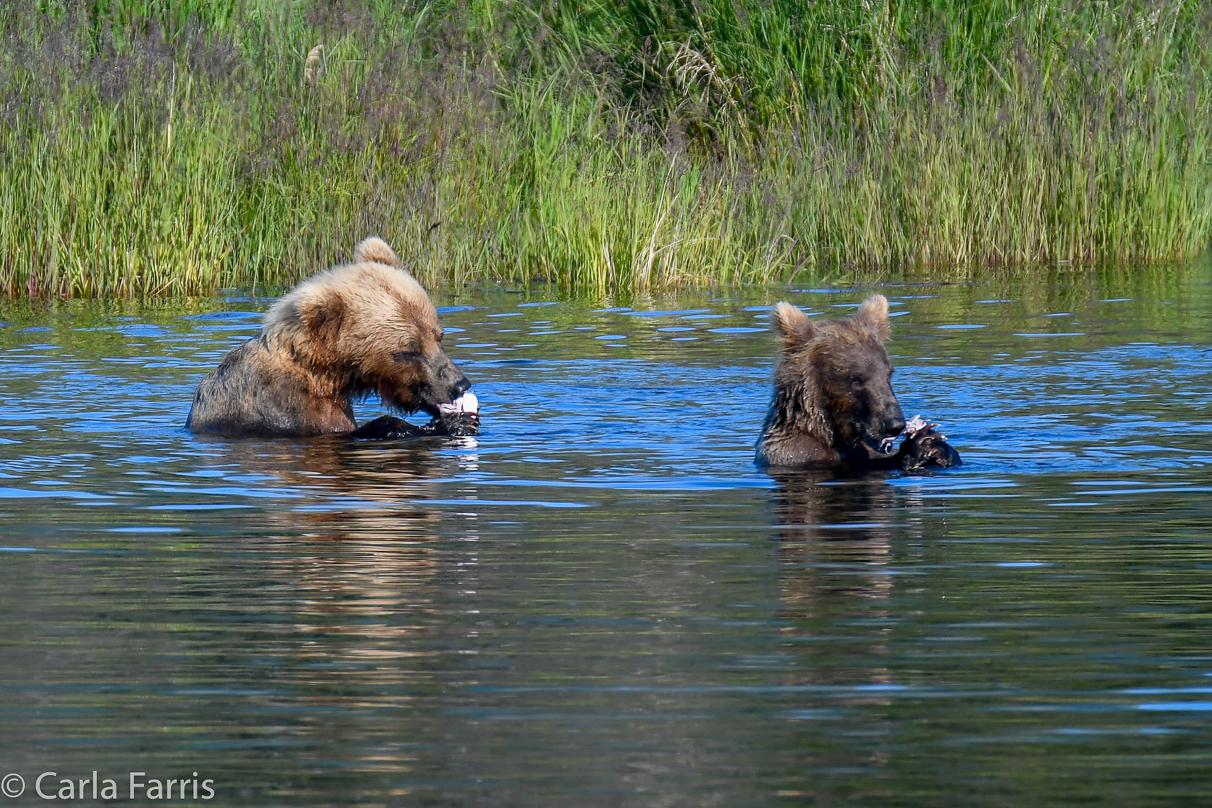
(355, 330)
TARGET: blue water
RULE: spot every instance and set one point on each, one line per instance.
(600, 601)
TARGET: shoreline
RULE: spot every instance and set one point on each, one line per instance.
(182, 154)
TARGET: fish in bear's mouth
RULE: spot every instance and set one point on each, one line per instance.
(466, 403)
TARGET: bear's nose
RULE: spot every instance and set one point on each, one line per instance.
(462, 386)
(894, 426)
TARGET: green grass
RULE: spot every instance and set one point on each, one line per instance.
(174, 147)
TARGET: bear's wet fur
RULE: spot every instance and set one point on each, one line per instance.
(345, 333)
(448, 424)
(833, 405)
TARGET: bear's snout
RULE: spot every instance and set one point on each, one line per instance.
(894, 425)
(447, 382)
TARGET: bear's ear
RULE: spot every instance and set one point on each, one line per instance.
(873, 314)
(321, 316)
(793, 325)
(377, 250)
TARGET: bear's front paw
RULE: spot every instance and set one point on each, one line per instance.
(456, 424)
(386, 427)
(924, 446)
(458, 419)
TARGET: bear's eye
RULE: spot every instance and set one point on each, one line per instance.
(406, 356)
(856, 381)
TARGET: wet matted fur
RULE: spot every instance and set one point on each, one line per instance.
(347, 332)
(833, 405)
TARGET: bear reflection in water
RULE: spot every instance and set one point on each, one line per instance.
(843, 609)
(341, 586)
(349, 562)
(833, 405)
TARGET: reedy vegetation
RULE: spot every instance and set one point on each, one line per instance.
(175, 147)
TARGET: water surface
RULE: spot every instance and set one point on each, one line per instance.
(600, 601)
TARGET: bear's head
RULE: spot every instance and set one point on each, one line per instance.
(834, 379)
(364, 328)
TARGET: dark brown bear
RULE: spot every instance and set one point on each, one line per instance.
(348, 332)
(833, 404)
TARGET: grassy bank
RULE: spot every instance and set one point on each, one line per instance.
(176, 147)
